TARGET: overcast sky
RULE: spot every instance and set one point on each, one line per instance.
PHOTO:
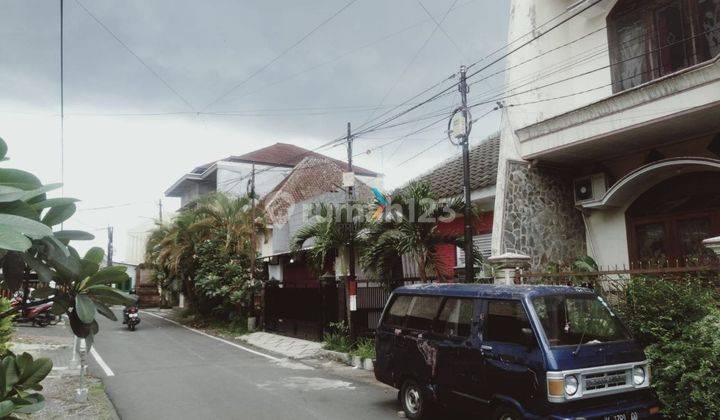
(374, 52)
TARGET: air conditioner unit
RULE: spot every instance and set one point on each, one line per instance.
(590, 188)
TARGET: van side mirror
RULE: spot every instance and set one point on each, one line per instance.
(528, 337)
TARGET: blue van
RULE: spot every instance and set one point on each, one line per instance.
(523, 351)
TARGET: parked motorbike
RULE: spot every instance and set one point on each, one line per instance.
(38, 315)
(131, 317)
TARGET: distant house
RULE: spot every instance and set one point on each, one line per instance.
(446, 180)
(288, 179)
(131, 272)
(232, 174)
(316, 179)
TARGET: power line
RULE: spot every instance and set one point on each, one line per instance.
(147, 66)
(279, 56)
(447, 90)
(412, 60)
(348, 53)
(507, 95)
(441, 140)
(535, 38)
(505, 69)
(440, 27)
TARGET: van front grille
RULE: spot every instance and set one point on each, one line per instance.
(606, 380)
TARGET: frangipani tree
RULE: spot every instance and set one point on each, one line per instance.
(29, 243)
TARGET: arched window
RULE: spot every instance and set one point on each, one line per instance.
(667, 223)
(651, 38)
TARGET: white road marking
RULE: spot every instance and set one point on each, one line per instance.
(229, 343)
(101, 362)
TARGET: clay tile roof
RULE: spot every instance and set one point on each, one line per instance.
(289, 155)
(313, 176)
(446, 178)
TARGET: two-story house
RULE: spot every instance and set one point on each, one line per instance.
(610, 137)
(232, 174)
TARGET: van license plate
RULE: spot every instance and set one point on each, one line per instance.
(633, 415)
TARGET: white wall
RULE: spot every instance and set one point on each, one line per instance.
(607, 240)
(233, 177)
(525, 17)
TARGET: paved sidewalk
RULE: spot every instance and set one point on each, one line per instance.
(293, 348)
(57, 343)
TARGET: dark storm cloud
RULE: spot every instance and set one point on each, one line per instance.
(203, 48)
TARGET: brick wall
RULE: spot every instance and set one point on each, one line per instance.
(447, 254)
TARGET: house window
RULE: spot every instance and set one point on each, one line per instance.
(481, 243)
(649, 39)
(667, 223)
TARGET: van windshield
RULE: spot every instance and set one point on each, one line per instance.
(572, 320)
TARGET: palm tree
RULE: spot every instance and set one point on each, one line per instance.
(330, 233)
(229, 216)
(410, 227)
(176, 250)
(172, 248)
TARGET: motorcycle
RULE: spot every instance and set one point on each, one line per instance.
(131, 317)
(39, 315)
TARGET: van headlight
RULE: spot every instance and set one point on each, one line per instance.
(571, 384)
(638, 375)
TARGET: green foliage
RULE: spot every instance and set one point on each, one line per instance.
(411, 227)
(364, 348)
(19, 375)
(661, 309)
(686, 370)
(206, 252)
(222, 280)
(28, 244)
(331, 232)
(678, 321)
(337, 338)
(6, 327)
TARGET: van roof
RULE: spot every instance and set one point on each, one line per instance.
(488, 290)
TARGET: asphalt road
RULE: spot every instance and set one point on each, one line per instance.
(165, 371)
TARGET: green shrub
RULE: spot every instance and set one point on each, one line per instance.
(685, 373)
(678, 322)
(6, 327)
(658, 309)
(365, 348)
(337, 339)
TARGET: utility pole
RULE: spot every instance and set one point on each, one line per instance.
(469, 269)
(252, 224)
(160, 215)
(350, 283)
(62, 102)
(110, 246)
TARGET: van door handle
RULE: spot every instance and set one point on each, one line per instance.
(486, 348)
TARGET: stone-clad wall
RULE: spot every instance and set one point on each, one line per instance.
(540, 219)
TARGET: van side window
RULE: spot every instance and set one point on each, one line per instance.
(396, 315)
(505, 321)
(422, 312)
(456, 317)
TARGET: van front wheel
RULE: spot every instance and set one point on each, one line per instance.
(506, 412)
(413, 400)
